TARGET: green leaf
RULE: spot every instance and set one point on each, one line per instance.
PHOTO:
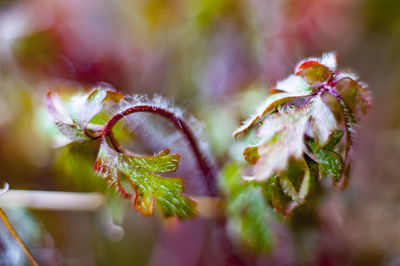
(151, 189)
(248, 214)
(330, 163)
(334, 139)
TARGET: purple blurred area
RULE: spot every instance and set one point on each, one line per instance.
(217, 60)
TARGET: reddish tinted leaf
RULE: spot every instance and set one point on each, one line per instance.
(251, 154)
(355, 96)
(314, 73)
(328, 60)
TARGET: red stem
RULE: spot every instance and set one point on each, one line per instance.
(348, 124)
(206, 168)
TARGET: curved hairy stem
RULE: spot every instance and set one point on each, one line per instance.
(207, 169)
(16, 236)
(348, 123)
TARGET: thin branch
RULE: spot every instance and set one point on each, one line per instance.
(14, 233)
(52, 200)
(73, 201)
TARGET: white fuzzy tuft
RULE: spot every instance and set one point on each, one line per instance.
(329, 60)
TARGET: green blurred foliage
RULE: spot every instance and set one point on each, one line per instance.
(247, 211)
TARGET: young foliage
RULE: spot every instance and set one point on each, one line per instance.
(304, 136)
(72, 116)
(149, 187)
(114, 163)
(287, 122)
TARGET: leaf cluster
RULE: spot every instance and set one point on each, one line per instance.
(305, 135)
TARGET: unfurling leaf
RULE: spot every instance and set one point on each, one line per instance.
(291, 188)
(277, 197)
(72, 117)
(151, 190)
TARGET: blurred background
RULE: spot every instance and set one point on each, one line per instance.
(216, 60)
